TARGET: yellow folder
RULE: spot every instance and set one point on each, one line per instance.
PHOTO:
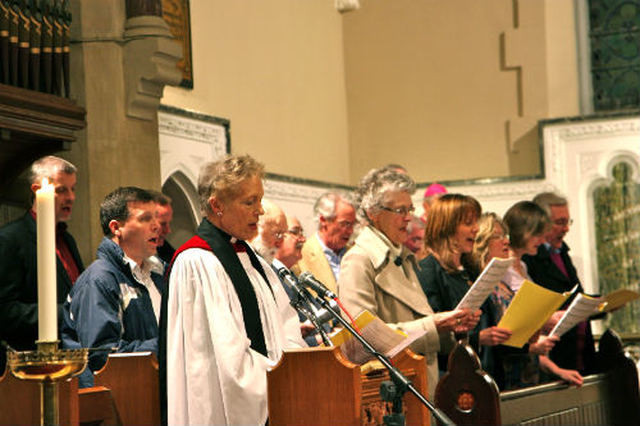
(618, 298)
(529, 310)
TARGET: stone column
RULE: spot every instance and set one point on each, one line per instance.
(122, 55)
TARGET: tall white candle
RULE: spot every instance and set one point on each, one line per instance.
(47, 300)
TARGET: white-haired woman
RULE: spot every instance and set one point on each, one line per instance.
(377, 273)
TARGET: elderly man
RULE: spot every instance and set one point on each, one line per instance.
(322, 253)
(165, 216)
(552, 268)
(116, 302)
(18, 263)
(290, 252)
(415, 237)
(272, 228)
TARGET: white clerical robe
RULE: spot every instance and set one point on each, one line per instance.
(213, 376)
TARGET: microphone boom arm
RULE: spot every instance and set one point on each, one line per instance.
(301, 302)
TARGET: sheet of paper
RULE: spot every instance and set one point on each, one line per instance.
(530, 308)
(618, 298)
(361, 320)
(484, 285)
(383, 338)
(581, 308)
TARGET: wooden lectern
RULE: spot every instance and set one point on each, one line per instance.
(319, 386)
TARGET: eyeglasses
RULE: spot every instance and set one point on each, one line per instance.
(402, 211)
(563, 222)
(296, 232)
(345, 224)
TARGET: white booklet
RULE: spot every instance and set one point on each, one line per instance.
(383, 338)
(581, 308)
(486, 282)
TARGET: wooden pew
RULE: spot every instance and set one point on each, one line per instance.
(469, 396)
(97, 407)
(125, 393)
(130, 380)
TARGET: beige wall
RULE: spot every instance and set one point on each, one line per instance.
(453, 89)
(562, 59)
(450, 89)
(425, 87)
(275, 70)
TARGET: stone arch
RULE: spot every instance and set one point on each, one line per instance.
(186, 208)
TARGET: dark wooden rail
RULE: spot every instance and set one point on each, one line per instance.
(469, 396)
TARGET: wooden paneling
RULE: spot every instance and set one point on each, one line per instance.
(318, 386)
(32, 125)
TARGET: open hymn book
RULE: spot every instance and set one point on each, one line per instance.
(484, 285)
(529, 310)
(583, 306)
(384, 339)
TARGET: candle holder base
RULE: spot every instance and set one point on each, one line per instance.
(47, 365)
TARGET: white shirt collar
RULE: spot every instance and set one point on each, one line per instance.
(278, 265)
(150, 264)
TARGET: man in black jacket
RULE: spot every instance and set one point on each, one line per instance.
(552, 268)
(18, 260)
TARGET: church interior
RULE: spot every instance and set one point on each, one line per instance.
(497, 99)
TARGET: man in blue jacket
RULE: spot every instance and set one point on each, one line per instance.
(115, 304)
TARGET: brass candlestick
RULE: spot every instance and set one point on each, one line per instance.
(47, 365)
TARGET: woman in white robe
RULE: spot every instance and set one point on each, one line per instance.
(227, 318)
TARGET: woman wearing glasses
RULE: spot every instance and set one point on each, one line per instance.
(377, 273)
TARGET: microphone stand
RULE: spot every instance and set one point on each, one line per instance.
(303, 297)
(299, 306)
(390, 391)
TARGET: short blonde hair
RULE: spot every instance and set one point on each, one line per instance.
(221, 178)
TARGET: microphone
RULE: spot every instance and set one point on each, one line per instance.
(303, 295)
(302, 303)
(307, 279)
(292, 281)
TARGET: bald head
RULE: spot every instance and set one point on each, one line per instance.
(271, 230)
(290, 252)
(415, 234)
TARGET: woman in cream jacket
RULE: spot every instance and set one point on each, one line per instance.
(377, 273)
